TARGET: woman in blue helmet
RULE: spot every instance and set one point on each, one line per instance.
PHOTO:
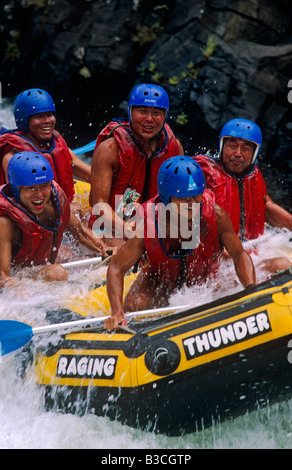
(239, 186)
(174, 257)
(128, 155)
(35, 117)
(34, 212)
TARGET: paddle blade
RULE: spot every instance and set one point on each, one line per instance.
(86, 148)
(13, 335)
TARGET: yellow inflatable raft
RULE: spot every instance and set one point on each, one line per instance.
(174, 373)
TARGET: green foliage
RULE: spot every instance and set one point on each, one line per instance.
(209, 48)
(156, 77)
(152, 65)
(37, 4)
(85, 72)
(12, 51)
(161, 7)
(174, 80)
(182, 119)
(146, 34)
(191, 70)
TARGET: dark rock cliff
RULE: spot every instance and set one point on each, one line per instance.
(217, 59)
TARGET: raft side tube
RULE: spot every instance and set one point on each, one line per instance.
(210, 362)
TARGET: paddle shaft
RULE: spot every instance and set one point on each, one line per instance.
(81, 263)
(79, 324)
(71, 325)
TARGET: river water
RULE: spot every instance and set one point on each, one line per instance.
(24, 424)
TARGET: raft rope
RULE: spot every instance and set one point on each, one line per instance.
(242, 300)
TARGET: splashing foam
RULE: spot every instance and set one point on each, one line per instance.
(273, 243)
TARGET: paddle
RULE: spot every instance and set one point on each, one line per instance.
(85, 148)
(15, 334)
(81, 263)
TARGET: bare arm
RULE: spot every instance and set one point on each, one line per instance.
(86, 236)
(243, 264)
(81, 169)
(105, 163)
(181, 150)
(6, 159)
(277, 216)
(126, 257)
(7, 232)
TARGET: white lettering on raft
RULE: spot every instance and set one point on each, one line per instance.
(227, 335)
(101, 367)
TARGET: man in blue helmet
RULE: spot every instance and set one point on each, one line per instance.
(35, 117)
(172, 257)
(128, 155)
(239, 186)
(34, 212)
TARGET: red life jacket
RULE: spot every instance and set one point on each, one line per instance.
(199, 262)
(133, 172)
(58, 156)
(243, 198)
(39, 243)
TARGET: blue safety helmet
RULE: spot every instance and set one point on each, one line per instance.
(180, 177)
(242, 129)
(147, 94)
(31, 102)
(28, 169)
